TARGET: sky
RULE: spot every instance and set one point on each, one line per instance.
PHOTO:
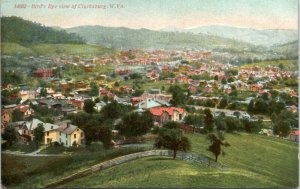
(158, 14)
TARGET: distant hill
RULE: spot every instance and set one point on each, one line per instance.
(125, 38)
(18, 30)
(266, 38)
(26, 38)
(290, 49)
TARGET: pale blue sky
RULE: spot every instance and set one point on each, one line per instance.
(156, 14)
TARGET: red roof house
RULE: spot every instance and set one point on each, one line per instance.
(164, 114)
(43, 73)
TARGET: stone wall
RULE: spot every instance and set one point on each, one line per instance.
(116, 161)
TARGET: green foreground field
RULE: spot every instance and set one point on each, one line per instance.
(253, 161)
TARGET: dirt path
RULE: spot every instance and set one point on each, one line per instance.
(35, 153)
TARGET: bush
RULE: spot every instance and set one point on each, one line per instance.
(155, 130)
(233, 124)
(95, 147)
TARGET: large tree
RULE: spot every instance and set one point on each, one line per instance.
(115, 110)
(89, 106)
(217, 141)
(223, 103)
(282, 128)
(194, 120)
(171, 137)
(10, 135)
(94, 89)
(208, 120)
(17, 115)
(38, 133)
(105, 135)
(179, 95)
(135, 124)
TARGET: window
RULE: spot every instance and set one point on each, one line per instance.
(66, 135)
(60, 140)
(74, 135)
(81, 134)
(48, 133)
(59, 133)
(180, 116)
(67, 143)
(51, 127)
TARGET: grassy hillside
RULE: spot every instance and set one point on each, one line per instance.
(287, 64)
(254, 161)
(125, 38)
(290, 49)
(164, 172)
(55, 49)
(36, 172)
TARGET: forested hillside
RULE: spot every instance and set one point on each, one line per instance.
(17, 30)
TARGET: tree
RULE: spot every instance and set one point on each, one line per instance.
(216, 142)
(230, 79)
(38, 133)
(265, 96)
(105, 136)
(94, 89)
(220, 123)
(274, 118)
(260, 106)
(194, 120)
(80, 119)
(135, 124)
(10, 135)
(281, 66)
(43, 92)
(251, 106)
(116, 84)
(223, 103)
(170, 137)
(282, 128)
(17, 115)
(135, 76)
(115, 110)
(208, 120)
(90, 131)
(89, 106)
(224, 81)
(232, 124)
(179, 96)
(138, 92)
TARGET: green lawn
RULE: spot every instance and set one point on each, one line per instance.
(22, 148)
(147, 84)
(165, 172)
(253, 161)
(272, 159)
